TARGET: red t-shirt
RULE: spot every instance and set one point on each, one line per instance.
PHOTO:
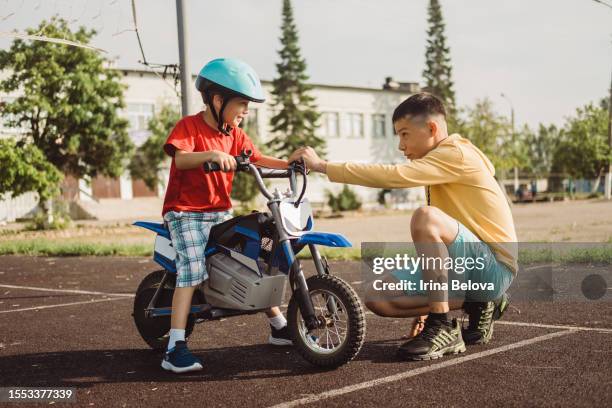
(193, 189)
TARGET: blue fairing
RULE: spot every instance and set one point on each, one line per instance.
(155, 227)
(324, 238)
(164, 262)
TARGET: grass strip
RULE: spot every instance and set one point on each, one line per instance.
(600, 253)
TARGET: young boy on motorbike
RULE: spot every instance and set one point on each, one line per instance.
(195, 201)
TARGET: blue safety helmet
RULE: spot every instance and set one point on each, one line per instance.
(230, 78)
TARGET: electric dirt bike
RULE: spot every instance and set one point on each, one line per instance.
(248, 260)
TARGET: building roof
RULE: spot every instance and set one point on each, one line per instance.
(268, 82)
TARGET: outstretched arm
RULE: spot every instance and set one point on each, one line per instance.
(439, 166)
(272, 163)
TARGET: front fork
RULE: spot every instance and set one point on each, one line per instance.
(297, 280)
(300, 288)
(323, 269)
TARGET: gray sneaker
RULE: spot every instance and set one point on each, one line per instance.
(482, 316)
(436, 340)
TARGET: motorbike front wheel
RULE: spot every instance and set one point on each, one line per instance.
(342, 328)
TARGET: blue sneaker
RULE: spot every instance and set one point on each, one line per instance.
(180, 359)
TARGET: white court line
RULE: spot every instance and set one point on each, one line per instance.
(418, 371)
(80, 292)
(539, 267)
(540, 325)
(555, 326)
(85, 292)
(61, 305)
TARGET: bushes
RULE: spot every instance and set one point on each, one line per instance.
(346, 200)
(57, 217)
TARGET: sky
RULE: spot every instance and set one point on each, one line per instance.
(547, 56)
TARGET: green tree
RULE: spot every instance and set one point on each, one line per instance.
(148, 159)
(296, 121)
(244, 186)
(25, 169)
(583, 150)
(69, 102)
(540, 149)
(438, 71)
(492, 134)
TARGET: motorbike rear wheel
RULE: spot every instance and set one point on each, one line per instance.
(155, 330)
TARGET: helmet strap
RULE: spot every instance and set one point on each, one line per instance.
(224, 127)
(221, 126)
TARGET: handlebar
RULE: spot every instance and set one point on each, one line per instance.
(273, 173)
(244, 164)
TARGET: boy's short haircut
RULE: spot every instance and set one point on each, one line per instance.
(211, 90)
(421, 104)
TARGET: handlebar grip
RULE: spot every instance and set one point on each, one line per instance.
(242, 162)
(211, 166)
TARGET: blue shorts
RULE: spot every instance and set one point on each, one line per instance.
(490, 270)
(189, 233)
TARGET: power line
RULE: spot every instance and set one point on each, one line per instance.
(172, 68)
(9, 15)
(604, 3)
(50, 39)
(74, 16)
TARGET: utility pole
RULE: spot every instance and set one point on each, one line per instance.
(516, 176)
(186, 82)
(608, 180)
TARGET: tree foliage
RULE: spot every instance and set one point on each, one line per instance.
(244, 186)
(540, 149)
(25, 169)
(68, 101)
(295, 122)
(438, 71)
(149, 158)
(583, 149)
(492, 134)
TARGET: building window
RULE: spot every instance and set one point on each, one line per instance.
(352, 125)
(139, 114)
(329, 125)
(378, 126)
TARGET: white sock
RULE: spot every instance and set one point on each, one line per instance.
(278, 322)
(175, 335)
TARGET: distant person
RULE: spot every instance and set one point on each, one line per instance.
(519, 193)
(467, 215)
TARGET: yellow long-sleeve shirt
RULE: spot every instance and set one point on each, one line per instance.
(462, 184)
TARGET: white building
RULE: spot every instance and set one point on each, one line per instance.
(355, 122)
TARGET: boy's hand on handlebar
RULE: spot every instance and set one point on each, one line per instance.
(224, 160)
(311, 159)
